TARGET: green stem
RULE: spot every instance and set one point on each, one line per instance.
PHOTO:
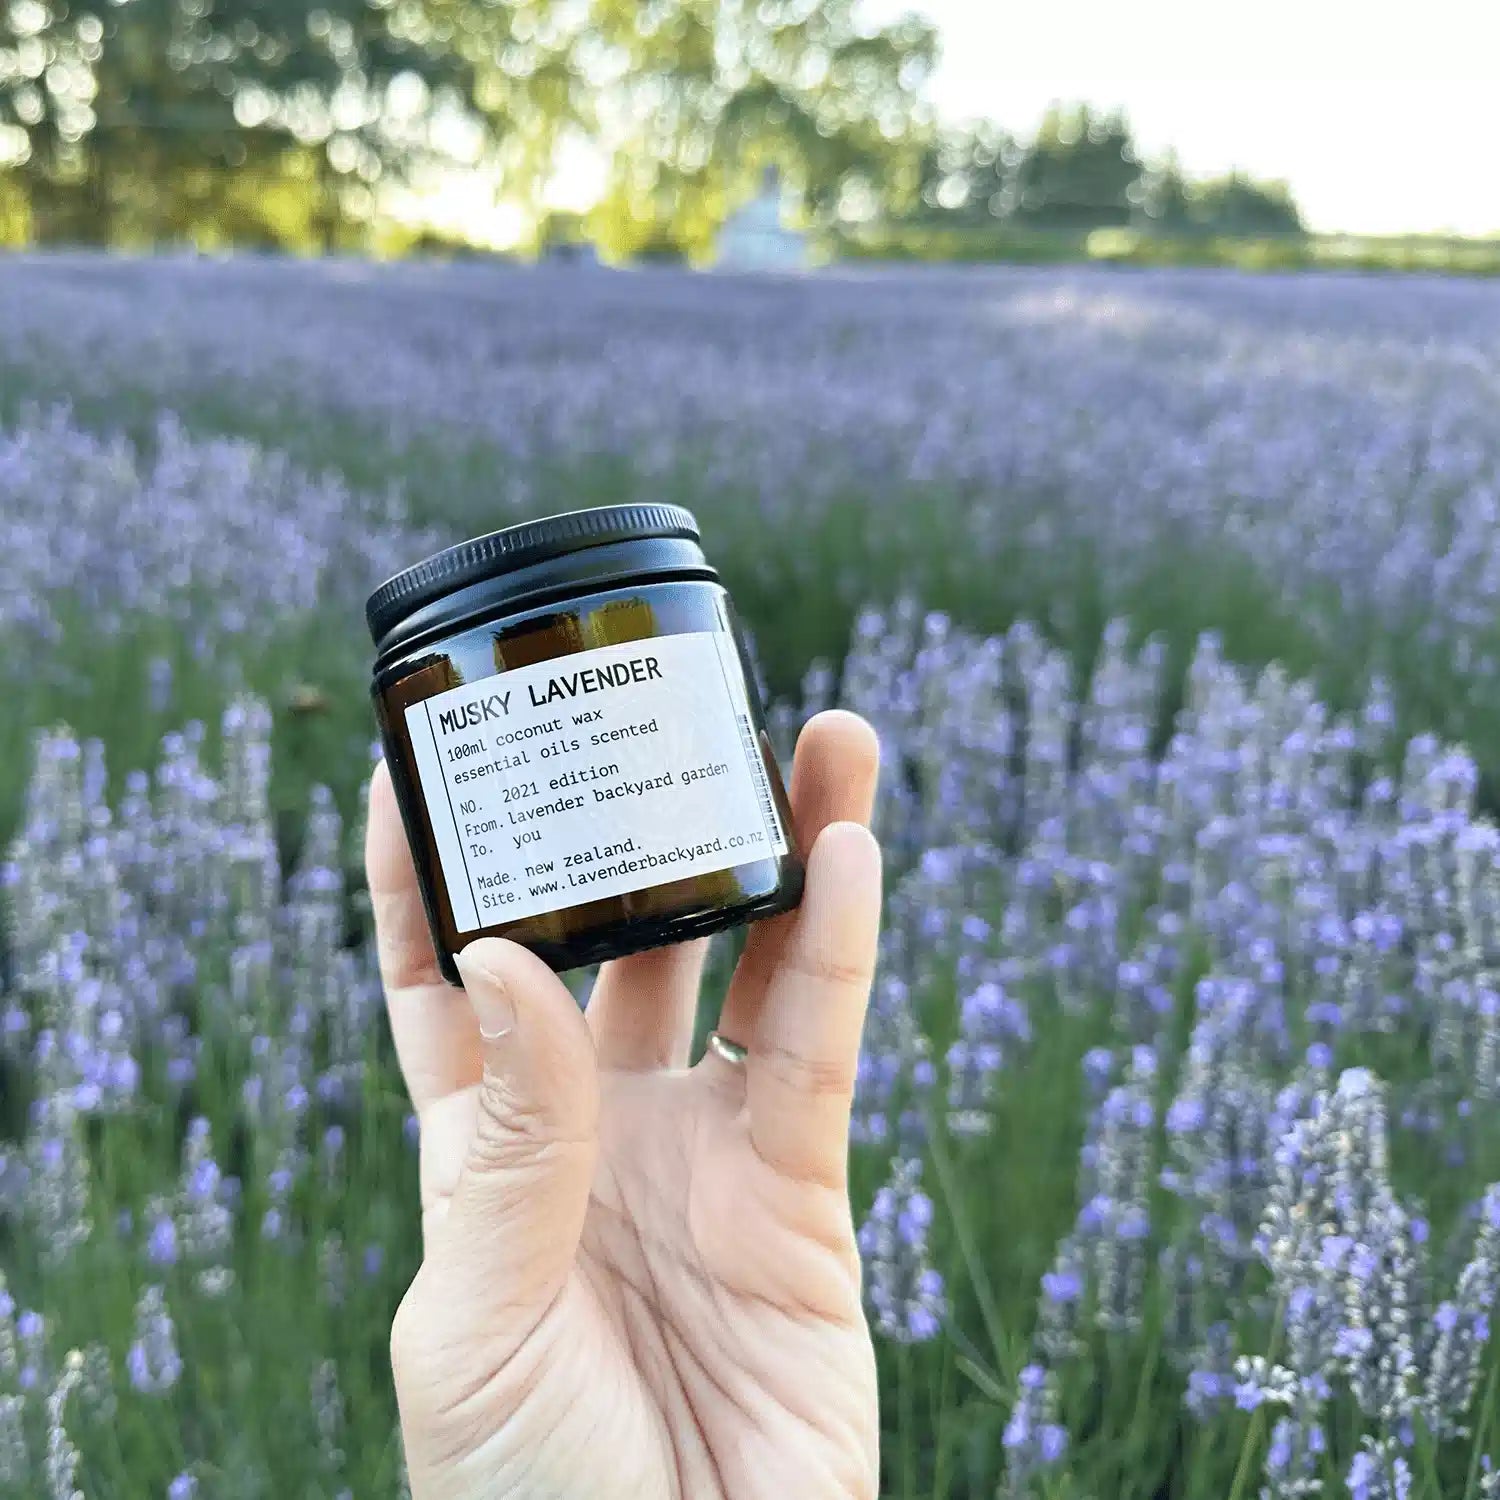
(1481, 1427)
(1251, 1443)
(989, 1307)
(940, 1459)
(1427, 1447)
(1140, 1425)
(1257, 1421)
(907, 1422)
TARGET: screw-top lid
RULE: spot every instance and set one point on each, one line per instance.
(516, 547)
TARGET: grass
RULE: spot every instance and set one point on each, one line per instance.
(1424, 254)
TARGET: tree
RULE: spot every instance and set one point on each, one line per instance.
(1079, 172)
(703, 94)
(1236, 204)
(135, 120)
(968, 176)
(1164, 196)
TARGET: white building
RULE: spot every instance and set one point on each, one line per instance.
(755, 236)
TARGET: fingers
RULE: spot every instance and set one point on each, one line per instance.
(512, 1229)
(431, 1022)
(643, 1007)
(805, 1048)
(833, 781)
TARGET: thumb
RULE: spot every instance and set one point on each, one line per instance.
(513, 1228)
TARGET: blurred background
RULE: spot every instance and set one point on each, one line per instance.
(1102, 399)
(955, 132)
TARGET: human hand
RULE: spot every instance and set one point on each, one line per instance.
(640, 1279)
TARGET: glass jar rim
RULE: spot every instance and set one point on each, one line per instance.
(513, 549)
(564, 556)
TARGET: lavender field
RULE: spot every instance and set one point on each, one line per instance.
(1173, 599)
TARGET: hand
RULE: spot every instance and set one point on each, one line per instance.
(640, 1279)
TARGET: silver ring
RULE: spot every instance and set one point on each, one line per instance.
(731, 1052)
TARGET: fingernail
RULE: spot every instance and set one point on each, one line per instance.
(489, 996)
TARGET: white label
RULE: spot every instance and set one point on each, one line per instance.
(593, 775)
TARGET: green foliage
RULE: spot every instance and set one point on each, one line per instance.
(966, 176)
(1023, 245)
(168, 120)
(164, 120)
(1165, 196)
(1079, 171)
(15, 210)
(1238, 205)
(710, 94)
(1235, 204)
(1082, 172)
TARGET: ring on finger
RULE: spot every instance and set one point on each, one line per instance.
(730, 1051)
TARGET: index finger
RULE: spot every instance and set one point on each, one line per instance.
(437, 1040)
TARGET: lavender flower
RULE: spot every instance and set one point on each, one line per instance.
(96, 1387)
(204, 1221)
(31, 1334)
(332, 1149)
(1060, 1315)
(1377, 1343)
(57, 1184)
(10, 1349)
(1115, 1219)
(906, 1294)
(894, 1066)
(1218, 1130)
(1462, 1329)
(1379, 1472)
(15, 1464)
(153, 1363)
(333, 1269)
(1292, 1459)
(62, 1458)
(1211, 1383)
(329, 1415)
(1035, 1440)
(991, 1022)
(161, 1238)
(1332, 1183)
(1489, 1479)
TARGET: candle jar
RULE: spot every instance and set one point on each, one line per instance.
(576, 741)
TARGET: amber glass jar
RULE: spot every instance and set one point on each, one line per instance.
(576, 741)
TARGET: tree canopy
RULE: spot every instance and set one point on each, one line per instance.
(261, 121)
(150, 120)
(1082, 170)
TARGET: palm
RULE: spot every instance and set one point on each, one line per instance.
(697, 1331)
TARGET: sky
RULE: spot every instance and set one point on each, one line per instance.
(1383, 115)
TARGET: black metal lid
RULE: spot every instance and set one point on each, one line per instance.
(516, 547)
